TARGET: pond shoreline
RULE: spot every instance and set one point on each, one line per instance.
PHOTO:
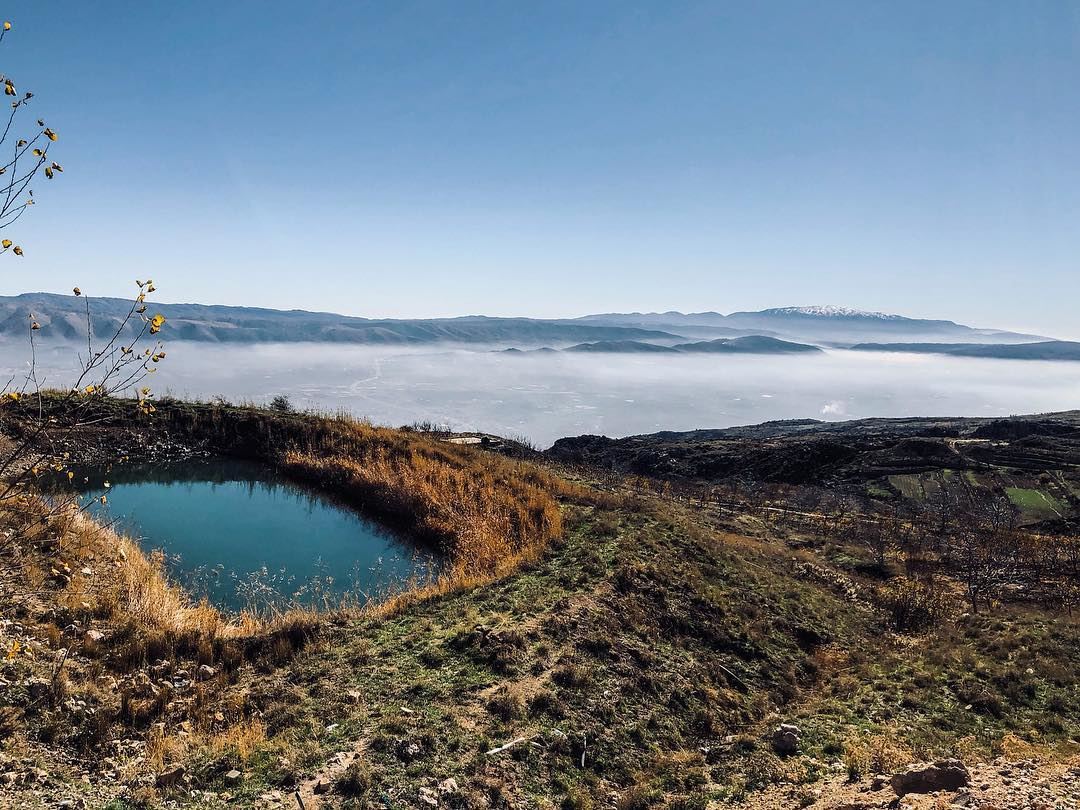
(487, 513)
(247, 537)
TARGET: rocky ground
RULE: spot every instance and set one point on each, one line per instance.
(997, 785)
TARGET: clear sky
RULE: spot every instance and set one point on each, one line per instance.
(557, 158)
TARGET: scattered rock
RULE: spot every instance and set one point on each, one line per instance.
(321, 787)
(38, 688)
(448, 787)
(946, 774)
(170, 777)
(205, 672)
(95, 636)
(785, 739)
(408, 750)
(233, 777)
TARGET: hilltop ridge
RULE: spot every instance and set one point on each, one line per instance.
(62, 317)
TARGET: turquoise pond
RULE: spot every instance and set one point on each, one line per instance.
(242, 536)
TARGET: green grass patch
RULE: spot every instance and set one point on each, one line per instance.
(1035, 502)
(910, 486)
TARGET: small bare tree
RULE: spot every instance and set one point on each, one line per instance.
(36, 419)
(986, 562)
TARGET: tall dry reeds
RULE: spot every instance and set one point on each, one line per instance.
(488, 513)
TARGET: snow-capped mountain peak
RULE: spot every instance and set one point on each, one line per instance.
(832, 312)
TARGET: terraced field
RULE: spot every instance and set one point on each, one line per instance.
(1032, 463)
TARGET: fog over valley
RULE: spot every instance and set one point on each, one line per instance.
(544, 396)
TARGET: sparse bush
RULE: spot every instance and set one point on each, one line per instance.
(572, 675)
(355, 781)
(913, 605)
(10, 721)
(545, 702)
(606, 525)
(282, 404)
(506, 704)
(638, 797)
(856, 759)
(577, 798)
(762, 768)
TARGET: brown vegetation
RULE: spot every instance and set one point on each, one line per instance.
(489, 513)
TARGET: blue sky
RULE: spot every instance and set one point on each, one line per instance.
(548, 159)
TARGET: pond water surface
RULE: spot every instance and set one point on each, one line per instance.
(241, 535)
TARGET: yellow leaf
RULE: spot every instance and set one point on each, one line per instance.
(71, 475)
(52, 136)
(18, 250)
(7, 25)
(77, 291)
(6, 243)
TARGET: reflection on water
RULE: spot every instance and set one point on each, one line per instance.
(236, 533)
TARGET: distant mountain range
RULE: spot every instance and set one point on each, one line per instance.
(753, 344)
(771, 331)
(817, 324)
(63, 317)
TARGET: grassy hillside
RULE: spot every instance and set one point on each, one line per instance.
(639, 654)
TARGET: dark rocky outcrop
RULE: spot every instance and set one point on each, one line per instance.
(946, 774)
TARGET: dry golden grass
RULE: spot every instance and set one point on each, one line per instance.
(874, 753)
(490, 513)
(243, 739)
(89, 568)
